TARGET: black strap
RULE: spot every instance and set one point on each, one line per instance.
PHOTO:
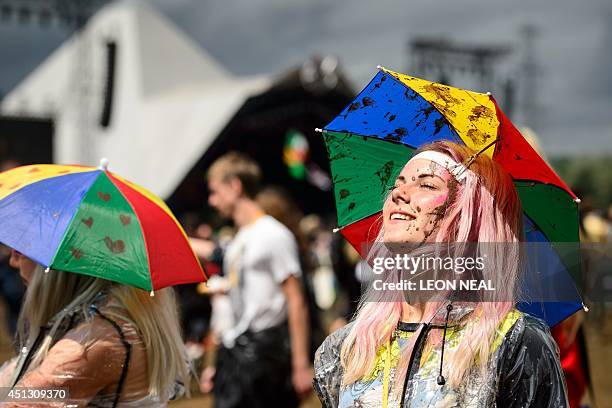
(416, 356)
(408, 327)
(128, 352)
(419, 345)
(441, 379)
(24, 361)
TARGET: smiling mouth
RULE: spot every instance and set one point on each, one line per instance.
(401, 216)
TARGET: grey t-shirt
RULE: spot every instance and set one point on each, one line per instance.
(259, 259)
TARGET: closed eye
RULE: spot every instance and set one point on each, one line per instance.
(425, 181)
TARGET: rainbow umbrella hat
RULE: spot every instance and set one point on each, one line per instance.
(88, 220)
(371, 140)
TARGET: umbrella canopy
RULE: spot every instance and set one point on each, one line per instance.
(90, 221)
(372, 139)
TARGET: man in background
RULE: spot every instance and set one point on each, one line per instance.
(263, 358)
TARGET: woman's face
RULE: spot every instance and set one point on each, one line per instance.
(25, 265)
(417, 202)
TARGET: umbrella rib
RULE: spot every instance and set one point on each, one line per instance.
(469, 93)
(515, 180)
(144, 237)
(69, 224)
(473, 157)
(115, 181)
(347, 133)
(340, 228)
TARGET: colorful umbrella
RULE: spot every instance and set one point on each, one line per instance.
(90, 221)
(371, 140)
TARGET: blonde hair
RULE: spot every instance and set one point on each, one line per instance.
(237, 165)
(55, 294)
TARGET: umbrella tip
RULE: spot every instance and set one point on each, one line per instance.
(577, 200)
(47, 269)
(380, 67)
(152, 293)
(335, 230)
(318, 130)
(584, 307)
(488, 93)
(103, 164)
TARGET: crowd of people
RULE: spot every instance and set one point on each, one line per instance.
(283, 305)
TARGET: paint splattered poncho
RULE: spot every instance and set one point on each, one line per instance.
(523, 371)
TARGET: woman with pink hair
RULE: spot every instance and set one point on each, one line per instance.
(455, 347)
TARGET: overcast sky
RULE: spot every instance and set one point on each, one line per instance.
(574, 46)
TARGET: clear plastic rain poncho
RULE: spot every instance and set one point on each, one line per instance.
(101, 362)
(523, 369)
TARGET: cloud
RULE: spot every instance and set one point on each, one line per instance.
(268, 36)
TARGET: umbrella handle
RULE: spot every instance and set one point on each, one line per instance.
(473, 157)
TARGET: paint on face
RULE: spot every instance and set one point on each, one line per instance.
(418, 202)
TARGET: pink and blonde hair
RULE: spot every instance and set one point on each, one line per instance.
(485, 209)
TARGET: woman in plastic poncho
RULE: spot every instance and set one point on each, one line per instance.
(109, 345)
(455, 350)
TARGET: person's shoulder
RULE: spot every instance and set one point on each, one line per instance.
(85, 359)
(271, 223)
(95, 331)
(537, 331)
(529, 368)
(533, 323)
(328, 370)
(329, 350)
(271, 228)
(528, 326)
(336, 338)
(529, 335)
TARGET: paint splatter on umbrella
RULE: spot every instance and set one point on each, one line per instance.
(367, 149)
